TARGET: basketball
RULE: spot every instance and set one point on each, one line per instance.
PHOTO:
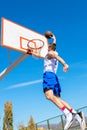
(48, 34)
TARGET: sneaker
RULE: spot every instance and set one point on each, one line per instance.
(81, 119)
(69, 121)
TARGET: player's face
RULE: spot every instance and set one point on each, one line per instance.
(49, 48)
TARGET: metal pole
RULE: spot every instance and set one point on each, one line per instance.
(7, 70)
(62, 122)
(48, 124)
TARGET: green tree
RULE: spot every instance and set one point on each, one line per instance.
(22, 127)
(31, 124)
(8, 117)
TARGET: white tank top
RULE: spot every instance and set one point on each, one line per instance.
(50, 64)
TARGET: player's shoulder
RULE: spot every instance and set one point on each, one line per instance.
(53, 54)
(56, 52)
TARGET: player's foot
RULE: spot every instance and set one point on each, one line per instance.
(69, 121)
(81, 119)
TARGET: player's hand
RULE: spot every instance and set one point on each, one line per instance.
(65, 68)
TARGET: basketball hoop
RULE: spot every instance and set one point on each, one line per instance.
(35, 45)
(20, 38)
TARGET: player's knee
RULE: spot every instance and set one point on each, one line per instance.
(49, 96)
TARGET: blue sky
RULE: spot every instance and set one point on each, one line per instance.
(23, 85)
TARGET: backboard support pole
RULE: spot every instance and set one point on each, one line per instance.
(8, 69)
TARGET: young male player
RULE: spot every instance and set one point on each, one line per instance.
(51, 85)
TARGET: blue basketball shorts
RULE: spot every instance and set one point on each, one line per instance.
(50, 81)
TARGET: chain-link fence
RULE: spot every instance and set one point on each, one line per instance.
(58, 122)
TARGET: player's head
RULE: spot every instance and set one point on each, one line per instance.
(52, 46)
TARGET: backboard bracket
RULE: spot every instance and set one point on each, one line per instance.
(13, 65)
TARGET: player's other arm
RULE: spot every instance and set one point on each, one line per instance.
(65, 65)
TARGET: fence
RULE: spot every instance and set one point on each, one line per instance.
(58, 122)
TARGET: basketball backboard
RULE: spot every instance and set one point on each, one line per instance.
(15, 36)
(20, 38)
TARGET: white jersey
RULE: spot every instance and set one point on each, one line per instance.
(50, 64)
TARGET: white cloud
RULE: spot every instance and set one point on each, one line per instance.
(24, 84)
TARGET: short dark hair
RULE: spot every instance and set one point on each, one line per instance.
(53, 46)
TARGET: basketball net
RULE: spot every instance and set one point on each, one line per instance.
(35, 46)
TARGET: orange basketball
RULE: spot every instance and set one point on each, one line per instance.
(48, 34)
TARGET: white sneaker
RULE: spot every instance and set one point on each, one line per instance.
(81, 119)
(69, 121)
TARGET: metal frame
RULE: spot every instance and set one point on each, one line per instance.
(8, 69)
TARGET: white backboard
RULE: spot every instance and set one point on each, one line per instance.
(12, 34)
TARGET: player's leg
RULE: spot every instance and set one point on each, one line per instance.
(78, 116)
(72, 110)
(57, 101)
(52, 88)
(81, 119)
